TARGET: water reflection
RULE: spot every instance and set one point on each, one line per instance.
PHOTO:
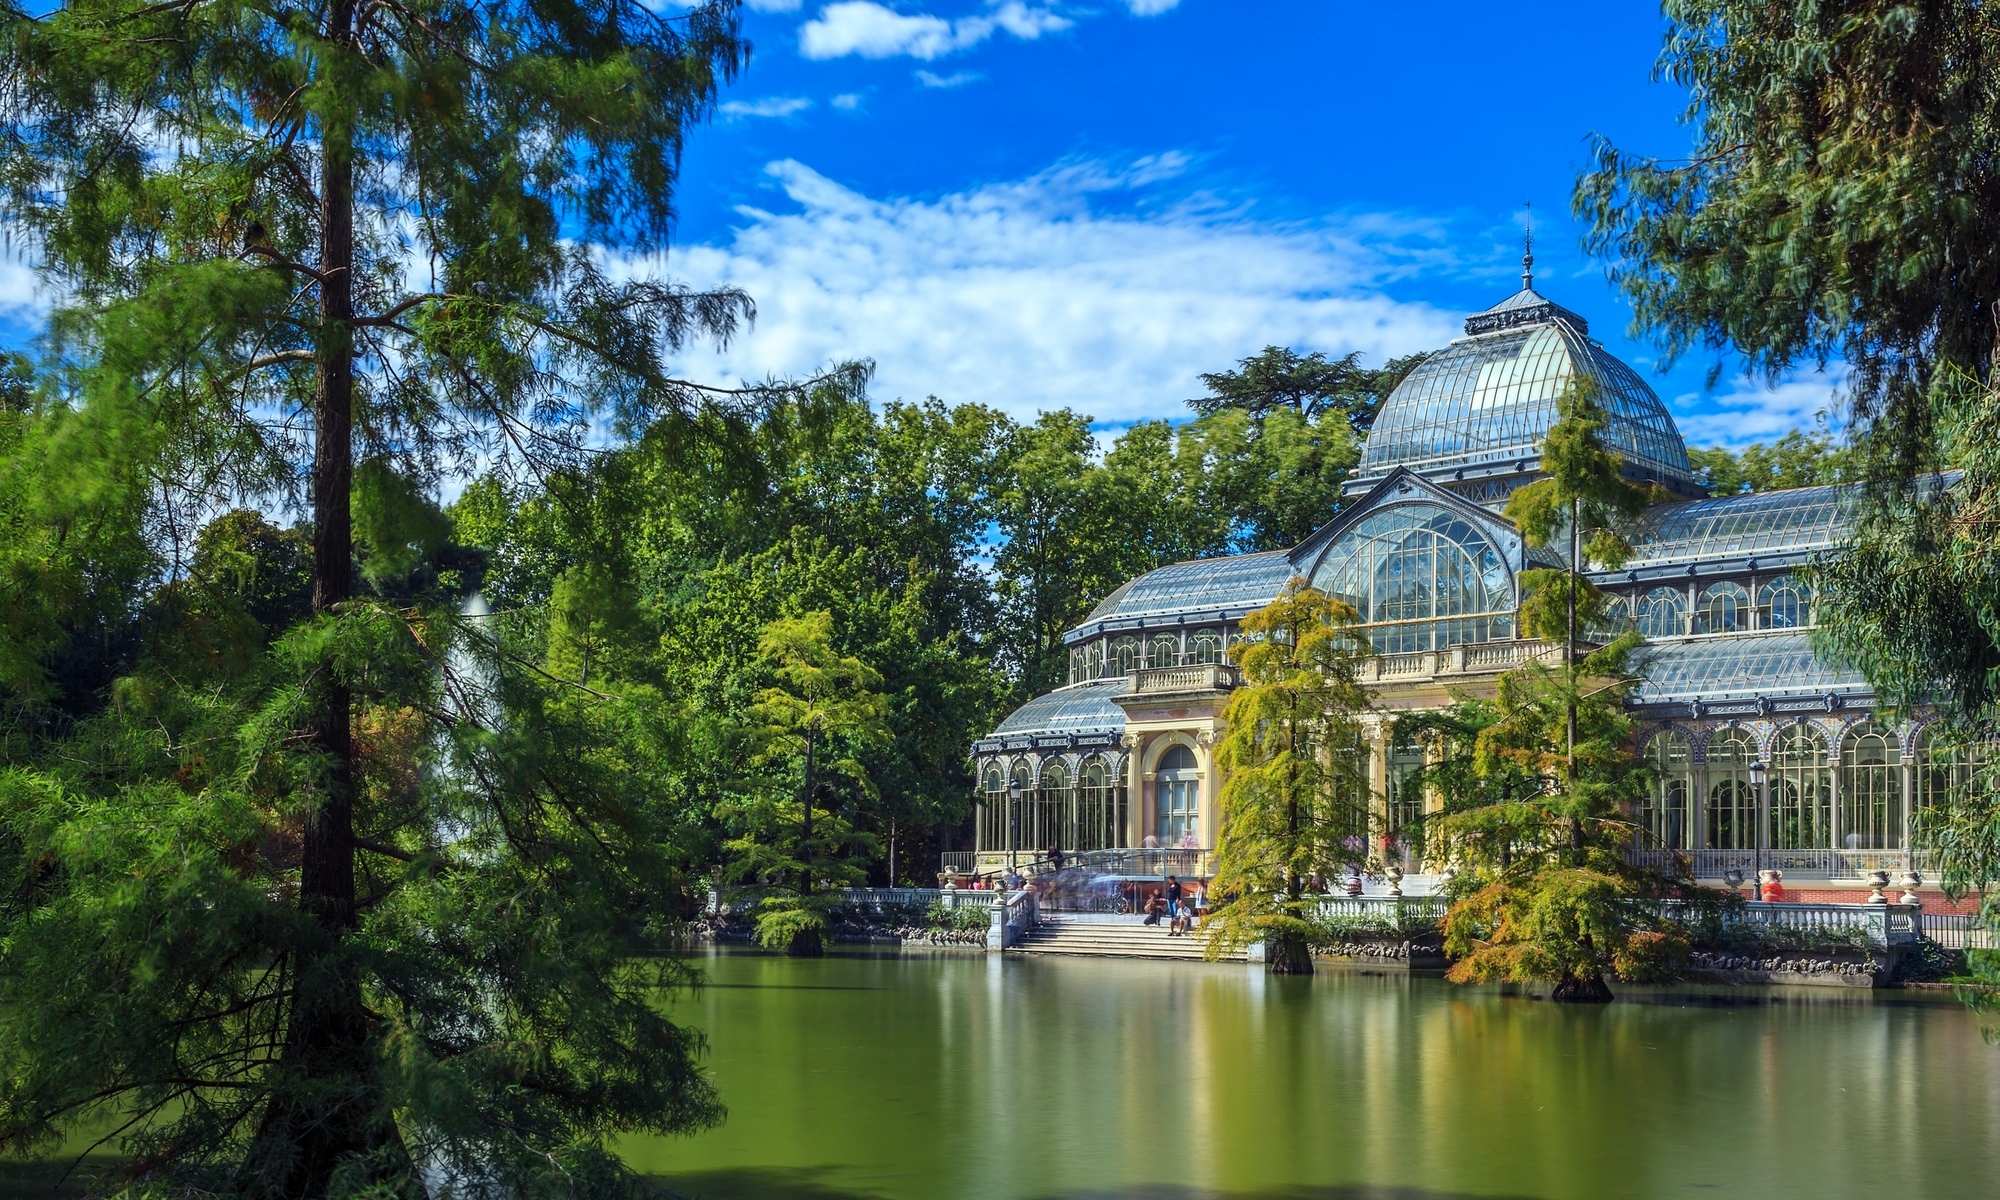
(966, 1076)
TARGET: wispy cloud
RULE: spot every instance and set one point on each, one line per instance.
(769, 106)
(931, 79)
(1752, 412)
(846, 101)
(1146, 8)
(785, 6)
(1082, 286)
(871, 30)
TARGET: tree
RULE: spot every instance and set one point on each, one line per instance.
(1295, 788)
(1545, 891)
(821, 706)
(347, 978)
(1309, 387)
(1841, 200)
(1795, 460)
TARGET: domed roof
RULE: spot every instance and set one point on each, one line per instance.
(1490, 397)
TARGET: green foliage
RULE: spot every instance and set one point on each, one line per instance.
(1309, 387)
(1294, 791)
(785, 921)
(1839, 201)
(1795, 460)
(960, 919)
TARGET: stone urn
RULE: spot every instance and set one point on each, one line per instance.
(1394, 874)
(1910, 882)
(1733, 878)
(1877, 881)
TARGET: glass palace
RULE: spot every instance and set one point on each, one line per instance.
(1765, 755)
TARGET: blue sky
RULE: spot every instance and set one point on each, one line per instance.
(1038, 204)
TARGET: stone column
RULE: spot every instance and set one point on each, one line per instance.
(1834, 824)
(1135, 794)
(1378, 782)
(1210, 806)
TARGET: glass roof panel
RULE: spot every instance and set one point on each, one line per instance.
(1798, 520)
(1739, 667)
(1204, 584)
(1084, 708)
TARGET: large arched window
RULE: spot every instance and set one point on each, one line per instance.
(1784, 603)
(1667, 815)
(1164, 651)
(1871, 790)
(1093, 660)
(1732, 802)
(1049, 818)
(1125, 655)
(993, 810)
(1663, 613)
(1206, 647)
(1076, 660)
(1723, 608)
(1100, 813)
(1177, 798)
(1423, 576)
(1801, 808)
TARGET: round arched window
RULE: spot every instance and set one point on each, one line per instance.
(1423, 577)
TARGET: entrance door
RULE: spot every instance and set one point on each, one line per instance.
(1177, 813)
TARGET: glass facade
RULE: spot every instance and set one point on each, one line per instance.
(1731, 814)
(1668, 818)
(1722, 608)
(1801, 800)
(1778, 663)
(1177, 799)
(1422, 577)
(1871, 790)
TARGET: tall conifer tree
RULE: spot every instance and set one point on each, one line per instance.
(326, 253)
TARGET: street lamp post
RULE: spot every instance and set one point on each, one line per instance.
(1760, 783)
(1013, 824)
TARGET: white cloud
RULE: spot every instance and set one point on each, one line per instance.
(783, 6)
(1150, 8)
(1070, 288)
(932, 79)
(871, 30)
(1755, 413)
(846, 101)
(769, 106)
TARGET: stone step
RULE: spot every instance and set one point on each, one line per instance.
(1112, 940)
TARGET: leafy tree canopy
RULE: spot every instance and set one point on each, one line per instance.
(1795, 460)
(1309, 386)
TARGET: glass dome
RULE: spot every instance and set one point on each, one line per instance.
(1491, 397)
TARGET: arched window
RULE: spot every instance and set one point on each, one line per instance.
(1663, 613)
(1732, 802)
(1124, 655)
(1423, 577)
(1076, 664)
(1666, 815)
(1784, 603)
(1206, 647)
(1177, 798)
(1163, 651)
(1100, 811)
(1801, 809)
(1723, 608)
(993, 809)
(1871, 790)
(1093, 660)
(1948, 763)
(1406, 799)
(1050, 819)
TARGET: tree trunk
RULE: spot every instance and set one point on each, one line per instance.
(807, 943)
(1582, 989)
(328, 1110)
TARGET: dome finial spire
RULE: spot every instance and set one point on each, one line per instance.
(1528, 250)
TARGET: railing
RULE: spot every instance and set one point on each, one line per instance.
(1013, 916)
(958, 862)
(878, 899)
(1180, 860)
(1884, 925)
(1822, 864)
(1388, 909)
(1959, 931)
(1478, 658)
(1198, 677)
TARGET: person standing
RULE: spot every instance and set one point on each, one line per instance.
(1173, 896)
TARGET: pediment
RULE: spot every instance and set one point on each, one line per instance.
(1400, 487)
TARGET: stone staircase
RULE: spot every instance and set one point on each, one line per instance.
(1124, 937)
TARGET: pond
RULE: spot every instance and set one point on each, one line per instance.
(961, 1075)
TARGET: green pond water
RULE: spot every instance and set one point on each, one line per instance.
(934, 1076)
